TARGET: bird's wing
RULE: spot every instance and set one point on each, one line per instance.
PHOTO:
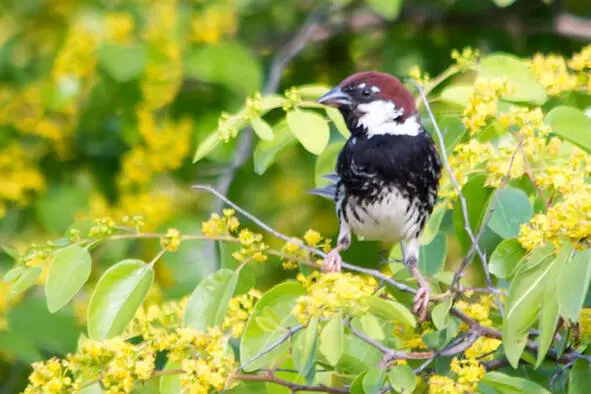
(329, 190)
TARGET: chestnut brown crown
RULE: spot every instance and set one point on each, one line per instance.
(368, 86)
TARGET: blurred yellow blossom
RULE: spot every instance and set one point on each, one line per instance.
(213, 23)
(172, 240)
(119, 27)
(239, 311)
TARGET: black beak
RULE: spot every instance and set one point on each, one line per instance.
(335, 98)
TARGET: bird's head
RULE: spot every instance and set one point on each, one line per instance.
(374, 103)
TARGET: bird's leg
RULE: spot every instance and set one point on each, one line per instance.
(421, 300)
(332, 262)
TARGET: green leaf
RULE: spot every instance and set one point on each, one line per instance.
(69, 270)
(524, 300)
(357, 384)
(337, 119)
(574, 279)
(310, 129)
(571, 124)
(477, 197)
(243, 74)
(440, 313)
(281, 299)
(503, 3)
(262, 128)
(117, 296)
(326, 163)
(550, 309)
(332, 340)
(14, 273)
(209, 301)
(392, 311)
(402, 379)
(432, 256)
(509, 384)
(433, 225)
(503, 260)
(373, 381)
(371, 326)
(511, 211)
(92, 389)
(579, 382)
(170, 384)
(207, 146)
(457, 94)
(26, 279)
(304, 350)
(389, 9)
(518, 74)
(266, 151)
(122, 63)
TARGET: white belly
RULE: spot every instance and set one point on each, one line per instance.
(388, 219)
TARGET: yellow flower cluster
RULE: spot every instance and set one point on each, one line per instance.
(479, 311)
(121, 364)
(421, 77)
(172, 240)
(467, 58)
(206, 361)
(164, 71)
(464, 160)
(552, 72)
(292, 253)
(156, 319)
(483, 103)
(332, 294)
(468, 373)
(77, 59)
(220, 225)
(119, 27)
(252, 247)
(239, 311)
(165, 146)
(205, 358)
(213, 23)
(19, 177)
(411, 338)
(569, 219)
(581, 61)
(26, 111)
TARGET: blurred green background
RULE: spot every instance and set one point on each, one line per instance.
(102, 104)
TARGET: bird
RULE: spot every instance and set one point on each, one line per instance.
(387, 173)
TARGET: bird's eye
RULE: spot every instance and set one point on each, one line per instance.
(366, 92)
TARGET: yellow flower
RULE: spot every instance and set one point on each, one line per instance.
(119, 26)
(239, 311)
(332, 294)
(312, 238)
(552, 73)
(482, 104)
(172, 240)
(213, 23)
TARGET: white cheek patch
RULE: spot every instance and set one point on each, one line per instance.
(379, 117)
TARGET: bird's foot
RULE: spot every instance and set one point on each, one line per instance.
(421, 300)
(332, 262)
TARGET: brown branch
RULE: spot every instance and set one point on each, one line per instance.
(294, 387)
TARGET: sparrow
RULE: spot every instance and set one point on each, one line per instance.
(387, 174)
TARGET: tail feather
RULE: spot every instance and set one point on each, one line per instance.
(333, 177)
(326, 191)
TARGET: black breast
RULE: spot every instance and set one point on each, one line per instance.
(409, 163)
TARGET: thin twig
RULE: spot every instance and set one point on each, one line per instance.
(293, 387)
(278, 64)
(443, 152)
(375, 273)
(291, 332)
(482, 230)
